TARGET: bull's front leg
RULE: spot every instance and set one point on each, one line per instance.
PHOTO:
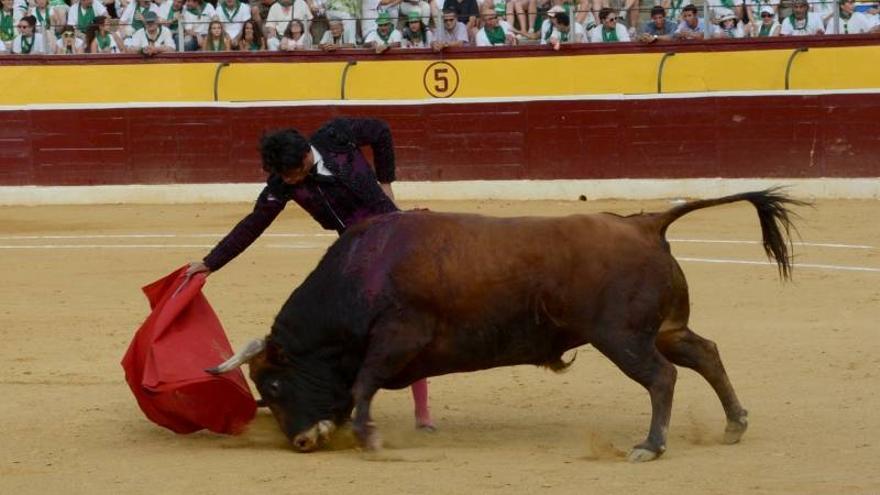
(365, 388)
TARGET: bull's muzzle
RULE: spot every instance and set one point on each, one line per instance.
(314, 437)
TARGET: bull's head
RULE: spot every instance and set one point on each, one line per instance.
(303, 394)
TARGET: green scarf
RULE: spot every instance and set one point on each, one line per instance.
(609, 35)
(44, 21)
(254, 46)
(226, 11)
(765, 30)
(85, 18)
(727, 3)
(27, 43)
(171, 12)
(794, 22)
(7, 31)
(215, 45)
(386, 37)
(136, 24)
(197, 13)
(103, 41)
(563, 36)
(496, 36)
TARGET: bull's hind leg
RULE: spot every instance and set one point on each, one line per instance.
(685, 348)
(634, 353)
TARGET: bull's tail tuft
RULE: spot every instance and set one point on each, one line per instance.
(773, 213)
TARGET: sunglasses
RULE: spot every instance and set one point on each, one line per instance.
(611, 19)
(68, 35)
(24, 26)
(766, 15)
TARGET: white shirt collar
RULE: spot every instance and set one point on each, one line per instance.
(319, 163)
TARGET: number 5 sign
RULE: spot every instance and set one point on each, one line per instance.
(441, 80)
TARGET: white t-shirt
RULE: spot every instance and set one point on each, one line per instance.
(373, 37)
(580, 34)
(38, 47)
(327, 39)
(303, 43)
(48, 17)
(73, 12)
(813, 26)
(622, 33)
(483, 38)
(79, 43)
(858, 23)
(198, 23)
(279, 19)
(233, 20)
(425, 43)
(139, 39)
(717, 7)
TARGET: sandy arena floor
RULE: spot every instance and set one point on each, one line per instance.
(804, 358)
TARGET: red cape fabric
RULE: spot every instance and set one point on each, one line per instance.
(166, 361)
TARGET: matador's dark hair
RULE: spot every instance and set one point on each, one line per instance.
(283, 150)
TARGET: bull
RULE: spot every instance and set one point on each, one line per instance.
(417, 294)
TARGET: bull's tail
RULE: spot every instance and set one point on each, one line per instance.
(776, 224)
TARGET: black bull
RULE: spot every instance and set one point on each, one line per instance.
(411, 295)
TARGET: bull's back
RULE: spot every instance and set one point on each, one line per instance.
(464, 266)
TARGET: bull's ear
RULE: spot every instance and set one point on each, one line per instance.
(276, 354)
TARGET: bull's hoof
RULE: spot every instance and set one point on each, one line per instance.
(368, 437)
(640, 454)
(645, 451)
(736, 428)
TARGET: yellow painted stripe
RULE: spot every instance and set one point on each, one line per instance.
(820, 68)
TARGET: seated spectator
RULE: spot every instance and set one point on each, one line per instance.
(282, 13)
(421, 8)
(728, 27)
(217, 40)
(802, 22)
(68, 44)
(336, 36)
(196, 17)
(251, 38)
(8, 22)
(468, 13)
(132, 17)
(674, 9)
(451, 33)
(769, 25)
(232, 14)
(99, 39)
(609, 30)
(850, 21)
(565, 33)
(493, 33)
(658, 28)
(260, 10)
(348, 12)
(150, 39)
(44, 14)
(624, 10)
(385, 36)
(27, 42)
(721, 8)
(416, 34)
(82, 14)
(691, 27)
(170, 12)
(370, 11)
(549, 24)
(754, 8)
(295, 38)
(823, 8)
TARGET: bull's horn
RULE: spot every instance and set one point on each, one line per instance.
(244, 355)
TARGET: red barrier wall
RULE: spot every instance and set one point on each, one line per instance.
(756, 136)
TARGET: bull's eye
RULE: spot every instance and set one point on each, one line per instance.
(273, 388)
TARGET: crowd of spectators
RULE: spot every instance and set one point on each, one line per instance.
(155, 26)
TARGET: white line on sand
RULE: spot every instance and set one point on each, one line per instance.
(795, 265)
(809, 244)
